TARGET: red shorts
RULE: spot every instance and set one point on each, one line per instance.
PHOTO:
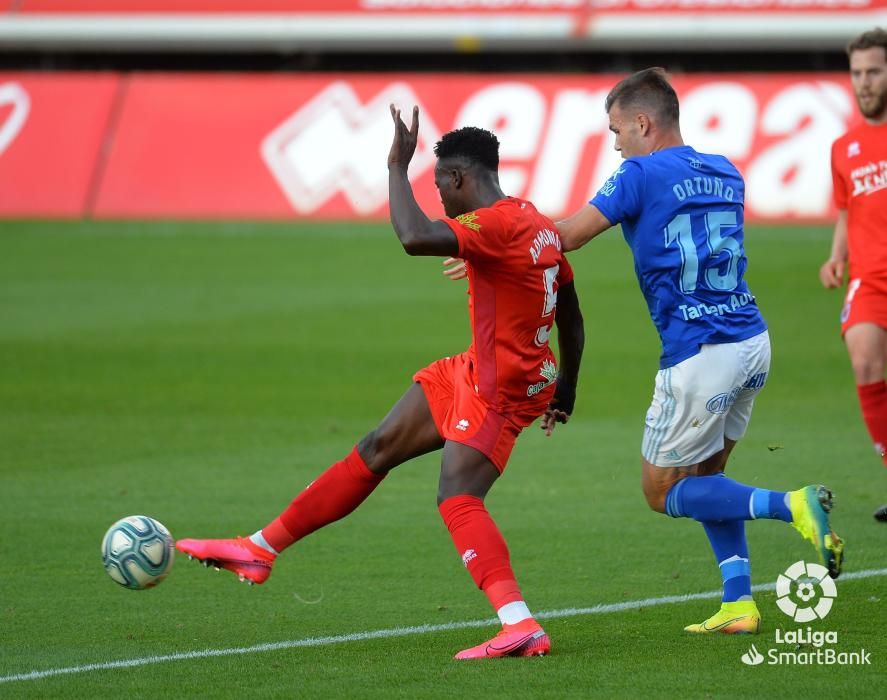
(464, 417)
(866, 302)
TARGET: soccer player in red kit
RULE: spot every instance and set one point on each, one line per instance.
(472, 405)
(859, 171)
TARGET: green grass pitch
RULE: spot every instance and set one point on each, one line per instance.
(203, 374)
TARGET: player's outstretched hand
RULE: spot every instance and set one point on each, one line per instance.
(455, 269)
(831, 274)
(404, 144)
(560, 408)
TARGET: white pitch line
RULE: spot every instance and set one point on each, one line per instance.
(394, 632)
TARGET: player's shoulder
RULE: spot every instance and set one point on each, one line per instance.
(514, 209)
(845, 147)
(716, 161)
(504, 218)
(715, 165)
(678, 158)
(513, 205)
(526, 221)
(484, 217)
(633, 164)
(855, 130)
(630, 173)
(854, 134)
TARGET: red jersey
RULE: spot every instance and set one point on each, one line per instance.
(515, 265)
(859, 172)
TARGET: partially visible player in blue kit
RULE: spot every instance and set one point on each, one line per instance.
(682, 216)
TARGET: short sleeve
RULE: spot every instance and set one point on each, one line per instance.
(838, 183)
(481, 234)
(564, 273)
(620, 197)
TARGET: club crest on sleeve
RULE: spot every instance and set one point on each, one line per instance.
(610, 185)
(469, 220)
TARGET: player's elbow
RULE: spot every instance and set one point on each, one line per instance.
(569, 235)
(412, 246)
(412, 243)
(569, 242)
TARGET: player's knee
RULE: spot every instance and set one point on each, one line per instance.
(376, 451)
(866, 368)
(452, 484)
(655, 496)
(444, 493)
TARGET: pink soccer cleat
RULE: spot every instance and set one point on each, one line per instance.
(526, 638)
(241, 556)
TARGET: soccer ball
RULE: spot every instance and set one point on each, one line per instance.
(137, 552)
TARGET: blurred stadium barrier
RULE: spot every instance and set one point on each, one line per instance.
(315, 145)
(360, 25)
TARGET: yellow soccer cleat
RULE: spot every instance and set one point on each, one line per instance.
(740, 617)
(810, 507)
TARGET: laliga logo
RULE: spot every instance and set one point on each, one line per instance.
(336, 144)
(805, 578)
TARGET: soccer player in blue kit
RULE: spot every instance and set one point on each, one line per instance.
(682, 216)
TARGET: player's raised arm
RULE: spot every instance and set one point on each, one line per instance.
(571, 341)
(418, 234)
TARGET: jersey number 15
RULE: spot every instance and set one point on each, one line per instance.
(680, 230)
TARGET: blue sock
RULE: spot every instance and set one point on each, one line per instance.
(770, 504)
(727, 539)
(713, 498)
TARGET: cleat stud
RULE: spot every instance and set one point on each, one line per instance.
(825, 498)
(190, 557)
(205, 564)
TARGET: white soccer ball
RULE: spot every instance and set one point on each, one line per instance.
(137, 552)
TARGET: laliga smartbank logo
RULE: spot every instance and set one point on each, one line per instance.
(805, 593)
(797, 595)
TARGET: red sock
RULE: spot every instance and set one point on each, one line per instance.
(482, 548)
(333, 495)
(873, 401)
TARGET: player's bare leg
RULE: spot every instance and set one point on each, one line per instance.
(722, 506)
(867, 347)
(657, 481)
(465, 478)
(406, 432)
(738, 613)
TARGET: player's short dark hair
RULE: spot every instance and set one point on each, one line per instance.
(649, 90)
(869, 40)
(471, 143)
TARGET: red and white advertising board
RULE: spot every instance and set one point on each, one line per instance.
(315, 146)
(51, 133)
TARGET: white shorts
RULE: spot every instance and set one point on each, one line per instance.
(702, 400)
